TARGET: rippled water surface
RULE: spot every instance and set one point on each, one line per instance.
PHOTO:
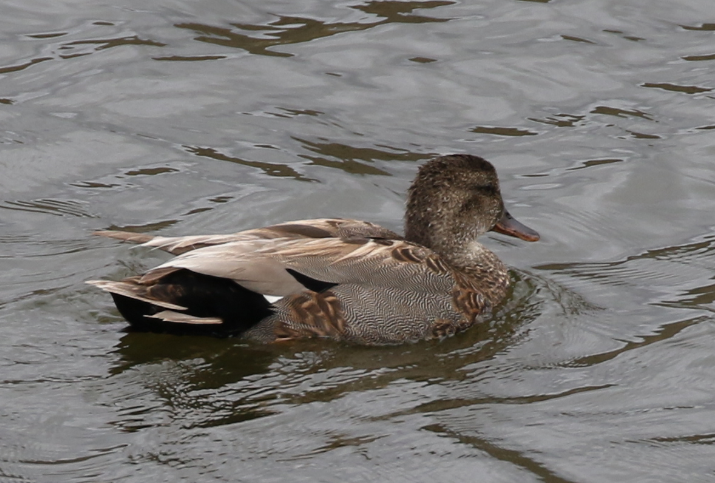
(180, 117)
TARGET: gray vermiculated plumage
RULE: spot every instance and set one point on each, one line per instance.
(341, 279)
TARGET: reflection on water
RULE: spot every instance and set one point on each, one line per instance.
(677, 88)
(269, 168)
(665, 332)
(291, 30)
(55, 207)
(352, 159)
(503, 131)
(212, 117)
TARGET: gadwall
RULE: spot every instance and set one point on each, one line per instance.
(340, 279)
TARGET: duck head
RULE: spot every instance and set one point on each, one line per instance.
(453, 200)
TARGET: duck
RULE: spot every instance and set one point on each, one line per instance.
(341, 279)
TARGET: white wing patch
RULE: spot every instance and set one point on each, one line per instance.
(272, 298)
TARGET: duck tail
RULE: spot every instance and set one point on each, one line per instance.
(185, 302)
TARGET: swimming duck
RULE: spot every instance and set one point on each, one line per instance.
(340, 279)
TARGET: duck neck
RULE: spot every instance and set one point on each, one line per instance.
(475, 258)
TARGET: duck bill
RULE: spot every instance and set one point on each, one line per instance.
(509, 226)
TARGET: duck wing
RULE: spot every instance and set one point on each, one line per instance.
(284, 266)
(301, 229)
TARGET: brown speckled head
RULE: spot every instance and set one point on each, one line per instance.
(453, 200)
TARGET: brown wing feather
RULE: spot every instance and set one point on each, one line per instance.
(312, 315)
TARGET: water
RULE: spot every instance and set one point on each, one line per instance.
(209, 117)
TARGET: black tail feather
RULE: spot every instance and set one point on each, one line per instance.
(203, 296)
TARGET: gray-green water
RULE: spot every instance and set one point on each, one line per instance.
(180, 117)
